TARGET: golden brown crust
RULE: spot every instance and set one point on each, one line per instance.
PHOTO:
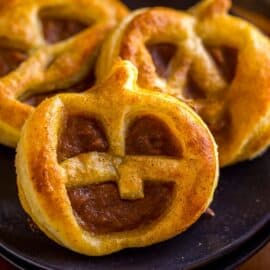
(48, 67)
(42, 181)
(237, 111)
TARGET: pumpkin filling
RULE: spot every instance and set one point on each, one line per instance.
(10, 59)
(100, 209)
(221, 130)
(162, 54)
(83, 85)
(55, 30)
(226, 60)
(81, 134)
(193, 90)
(150, 136)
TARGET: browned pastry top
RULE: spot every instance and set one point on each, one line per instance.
(48, 47)
(116, 166)
(207, 58)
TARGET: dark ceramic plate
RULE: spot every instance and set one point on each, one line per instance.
(242, 207)
(229, 261)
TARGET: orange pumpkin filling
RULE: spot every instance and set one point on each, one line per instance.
(56, 30)
(81, 134)
(99, 207)
(10, 59)
(162, 53)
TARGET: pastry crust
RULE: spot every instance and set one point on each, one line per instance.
(237, 111)
(43, 181)
(49, 67)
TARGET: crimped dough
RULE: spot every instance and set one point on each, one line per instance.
(243, 104)
(42, 180)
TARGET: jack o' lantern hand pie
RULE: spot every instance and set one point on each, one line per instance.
(216, 63)
(48, 47)
(115, 167)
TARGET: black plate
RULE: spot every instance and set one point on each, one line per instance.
(242, 207)
(228, 262)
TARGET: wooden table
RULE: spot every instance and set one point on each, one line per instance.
(260, 261)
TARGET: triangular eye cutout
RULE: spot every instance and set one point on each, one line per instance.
(57, 29)
(162, 53)
(10, 59)
(148, 135)
(81, 134)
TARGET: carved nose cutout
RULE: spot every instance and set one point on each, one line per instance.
(148, 135)
(162, 54)
(10, 59)
(81, 134)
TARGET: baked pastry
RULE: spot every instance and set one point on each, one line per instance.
(47, 46)
(217, 63)
(115, 167)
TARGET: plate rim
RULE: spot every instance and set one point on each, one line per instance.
(229, 248)
(11, 254)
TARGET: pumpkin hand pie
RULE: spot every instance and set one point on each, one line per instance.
(115, 167)
(216, 63)
(47, 47)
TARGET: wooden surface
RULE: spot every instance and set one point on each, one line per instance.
(260, 261)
